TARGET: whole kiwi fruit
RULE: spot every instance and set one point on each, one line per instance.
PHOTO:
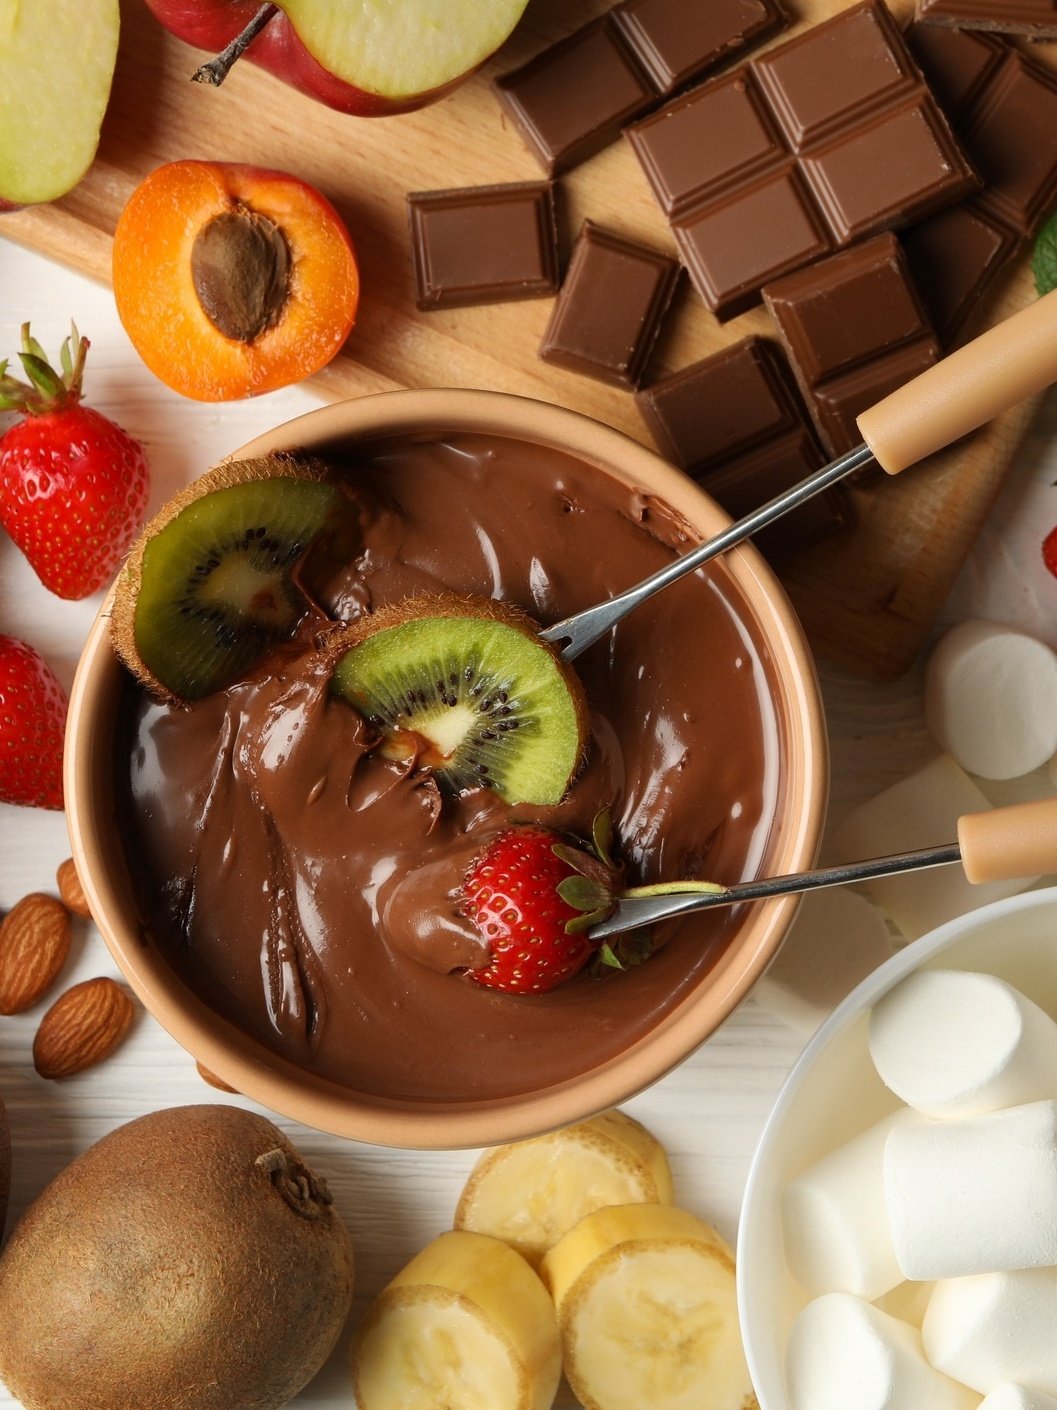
(188, 1261)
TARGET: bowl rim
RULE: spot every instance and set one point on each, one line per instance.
(862, 998)
(259, 1074)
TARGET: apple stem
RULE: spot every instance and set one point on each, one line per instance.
(218, 69)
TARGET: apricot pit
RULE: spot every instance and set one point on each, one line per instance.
(233, 280)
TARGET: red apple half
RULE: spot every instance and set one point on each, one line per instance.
(358, 56)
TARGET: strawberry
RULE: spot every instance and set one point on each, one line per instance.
(32, 721)
(1049, 551)
(533, 897)
(73, 485)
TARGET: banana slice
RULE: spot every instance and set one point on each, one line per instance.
(466, 1324)
(532, 1192)
(647, 1311)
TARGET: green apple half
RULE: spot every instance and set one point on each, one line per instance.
(56, 65)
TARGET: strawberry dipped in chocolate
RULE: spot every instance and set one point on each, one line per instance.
(519, 919)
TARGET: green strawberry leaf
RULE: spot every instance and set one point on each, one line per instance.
(42, 376)
(583, 894)
(1044, 259)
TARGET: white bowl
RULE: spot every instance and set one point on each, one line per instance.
(833, 1093)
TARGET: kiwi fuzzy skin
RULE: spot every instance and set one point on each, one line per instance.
(5, 1167)
(126, 593)
(346, 635)
(187, 1261)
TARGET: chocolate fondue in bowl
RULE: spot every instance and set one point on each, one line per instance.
(286, 901)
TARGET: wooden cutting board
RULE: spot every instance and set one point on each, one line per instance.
(866, 599)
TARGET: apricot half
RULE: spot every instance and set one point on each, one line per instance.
(233, 280)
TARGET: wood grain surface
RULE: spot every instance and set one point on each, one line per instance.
(867, 599)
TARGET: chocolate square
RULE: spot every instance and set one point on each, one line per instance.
(735, 423)
(769, 471)
(679, 41)
(609, 312)
(483, 244)
(717, 136)
(854, 328)
(722, 407)
(573, 98)
(836, 74)
(734, 246)
(954, 257)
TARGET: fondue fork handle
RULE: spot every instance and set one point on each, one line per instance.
(998, 845)
(1002, 367)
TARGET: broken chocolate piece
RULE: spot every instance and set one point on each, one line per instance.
(609, 311)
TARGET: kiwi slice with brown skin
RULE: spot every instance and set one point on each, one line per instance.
(464, 688)
(226, 570)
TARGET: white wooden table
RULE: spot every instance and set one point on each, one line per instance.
(708, 1113)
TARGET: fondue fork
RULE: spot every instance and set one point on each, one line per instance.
(1006, 365)
(1000, 845)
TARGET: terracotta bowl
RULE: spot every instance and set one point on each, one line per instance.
(279, 1084)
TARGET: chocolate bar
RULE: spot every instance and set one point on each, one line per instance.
(830, 137)
(483, 244)
(571, 100)
(854, 329)
(1035, 19)
(608, 314)
(735, 423)
(1004, 105)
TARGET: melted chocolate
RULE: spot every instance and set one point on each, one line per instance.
(293, 874)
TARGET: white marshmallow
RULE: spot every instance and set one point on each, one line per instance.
(1008, 1396)
(974, 1196)
(835, 1222)
(995, 1327)
(921, 810)
(991, 699)
(844, 1354)
(954, 1044)
(836, 940)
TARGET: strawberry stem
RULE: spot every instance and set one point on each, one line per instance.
(675, 888)
(216, 70)
(45, 389)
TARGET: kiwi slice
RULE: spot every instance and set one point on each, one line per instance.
(464, 688)
(215, 578)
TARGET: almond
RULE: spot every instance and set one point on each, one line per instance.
(71, 890)
(81, 1028)
(34, 944)
(214, 1080)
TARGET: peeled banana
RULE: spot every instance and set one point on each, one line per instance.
(646, 1306)
(467, 1325)
(531, 1192)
